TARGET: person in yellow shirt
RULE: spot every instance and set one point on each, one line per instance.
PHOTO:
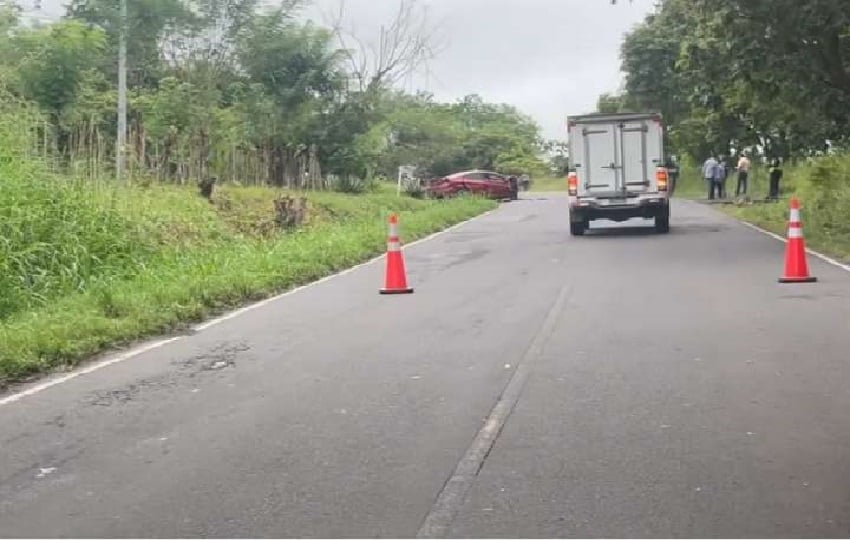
(743, 175)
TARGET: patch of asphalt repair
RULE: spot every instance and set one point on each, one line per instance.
(216, 359)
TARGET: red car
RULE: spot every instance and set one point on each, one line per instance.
(486, 183)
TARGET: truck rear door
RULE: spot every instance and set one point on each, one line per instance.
(596, 160)
(637, 172)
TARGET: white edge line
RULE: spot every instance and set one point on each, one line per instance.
(261, 303)
(810, 251)
(132, 353)
(87, 369)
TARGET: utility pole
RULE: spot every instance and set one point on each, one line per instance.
(121, 139)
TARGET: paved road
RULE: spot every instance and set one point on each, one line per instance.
(651, 386)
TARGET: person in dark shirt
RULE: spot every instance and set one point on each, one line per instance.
(775, 177)
(727, 164)
(720, 174)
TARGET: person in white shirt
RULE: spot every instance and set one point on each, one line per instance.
(709, 169)
(743, 175)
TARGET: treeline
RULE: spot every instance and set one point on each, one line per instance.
(225, 90)
(769, 75)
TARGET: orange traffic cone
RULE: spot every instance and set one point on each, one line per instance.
(396, 278)
(796, 267)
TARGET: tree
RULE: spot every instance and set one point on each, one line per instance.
(611, 103)
(559, 160)
(55, 60)
(8, 24)
(404, 45)
(729, 74)
(788, 64)
(148, 23)
(229, 90)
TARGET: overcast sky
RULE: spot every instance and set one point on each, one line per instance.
(549, 58)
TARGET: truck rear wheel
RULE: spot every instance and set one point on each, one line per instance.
(662, 224)
(577, 228)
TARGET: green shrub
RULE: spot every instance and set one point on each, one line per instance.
(823, 187)
(117, 264)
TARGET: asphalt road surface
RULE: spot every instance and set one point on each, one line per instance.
(622, 384)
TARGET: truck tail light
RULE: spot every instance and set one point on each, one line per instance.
(572, 183)
(661, 178)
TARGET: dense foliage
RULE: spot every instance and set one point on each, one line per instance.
(225, 89)
(773, 75)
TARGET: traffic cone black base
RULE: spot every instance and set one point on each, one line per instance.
(810, 279)
(396, 291)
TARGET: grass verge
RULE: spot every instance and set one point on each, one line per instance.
(823, 187)
(548, 183)
(122, 264)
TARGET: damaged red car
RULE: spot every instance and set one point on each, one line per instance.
(484, 183)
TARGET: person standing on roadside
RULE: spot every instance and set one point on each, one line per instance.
(730, 166)
(775, 177)
(708, 173)
(524, 182)
(720, 174)
(743, 175)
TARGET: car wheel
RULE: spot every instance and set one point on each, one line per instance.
(662, 224)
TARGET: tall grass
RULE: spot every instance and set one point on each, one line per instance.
(192, 260)
(548, 183)
(57, 237)
(88, 265)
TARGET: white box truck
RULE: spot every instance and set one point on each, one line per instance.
(616, 169)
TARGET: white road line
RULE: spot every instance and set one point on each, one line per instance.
(810, 251)
(452, 497)
(87, 369)
(132, 353)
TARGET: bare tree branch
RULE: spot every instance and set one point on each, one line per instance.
(403, 46)
(357, 64)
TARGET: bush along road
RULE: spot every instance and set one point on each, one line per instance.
(87, 268)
